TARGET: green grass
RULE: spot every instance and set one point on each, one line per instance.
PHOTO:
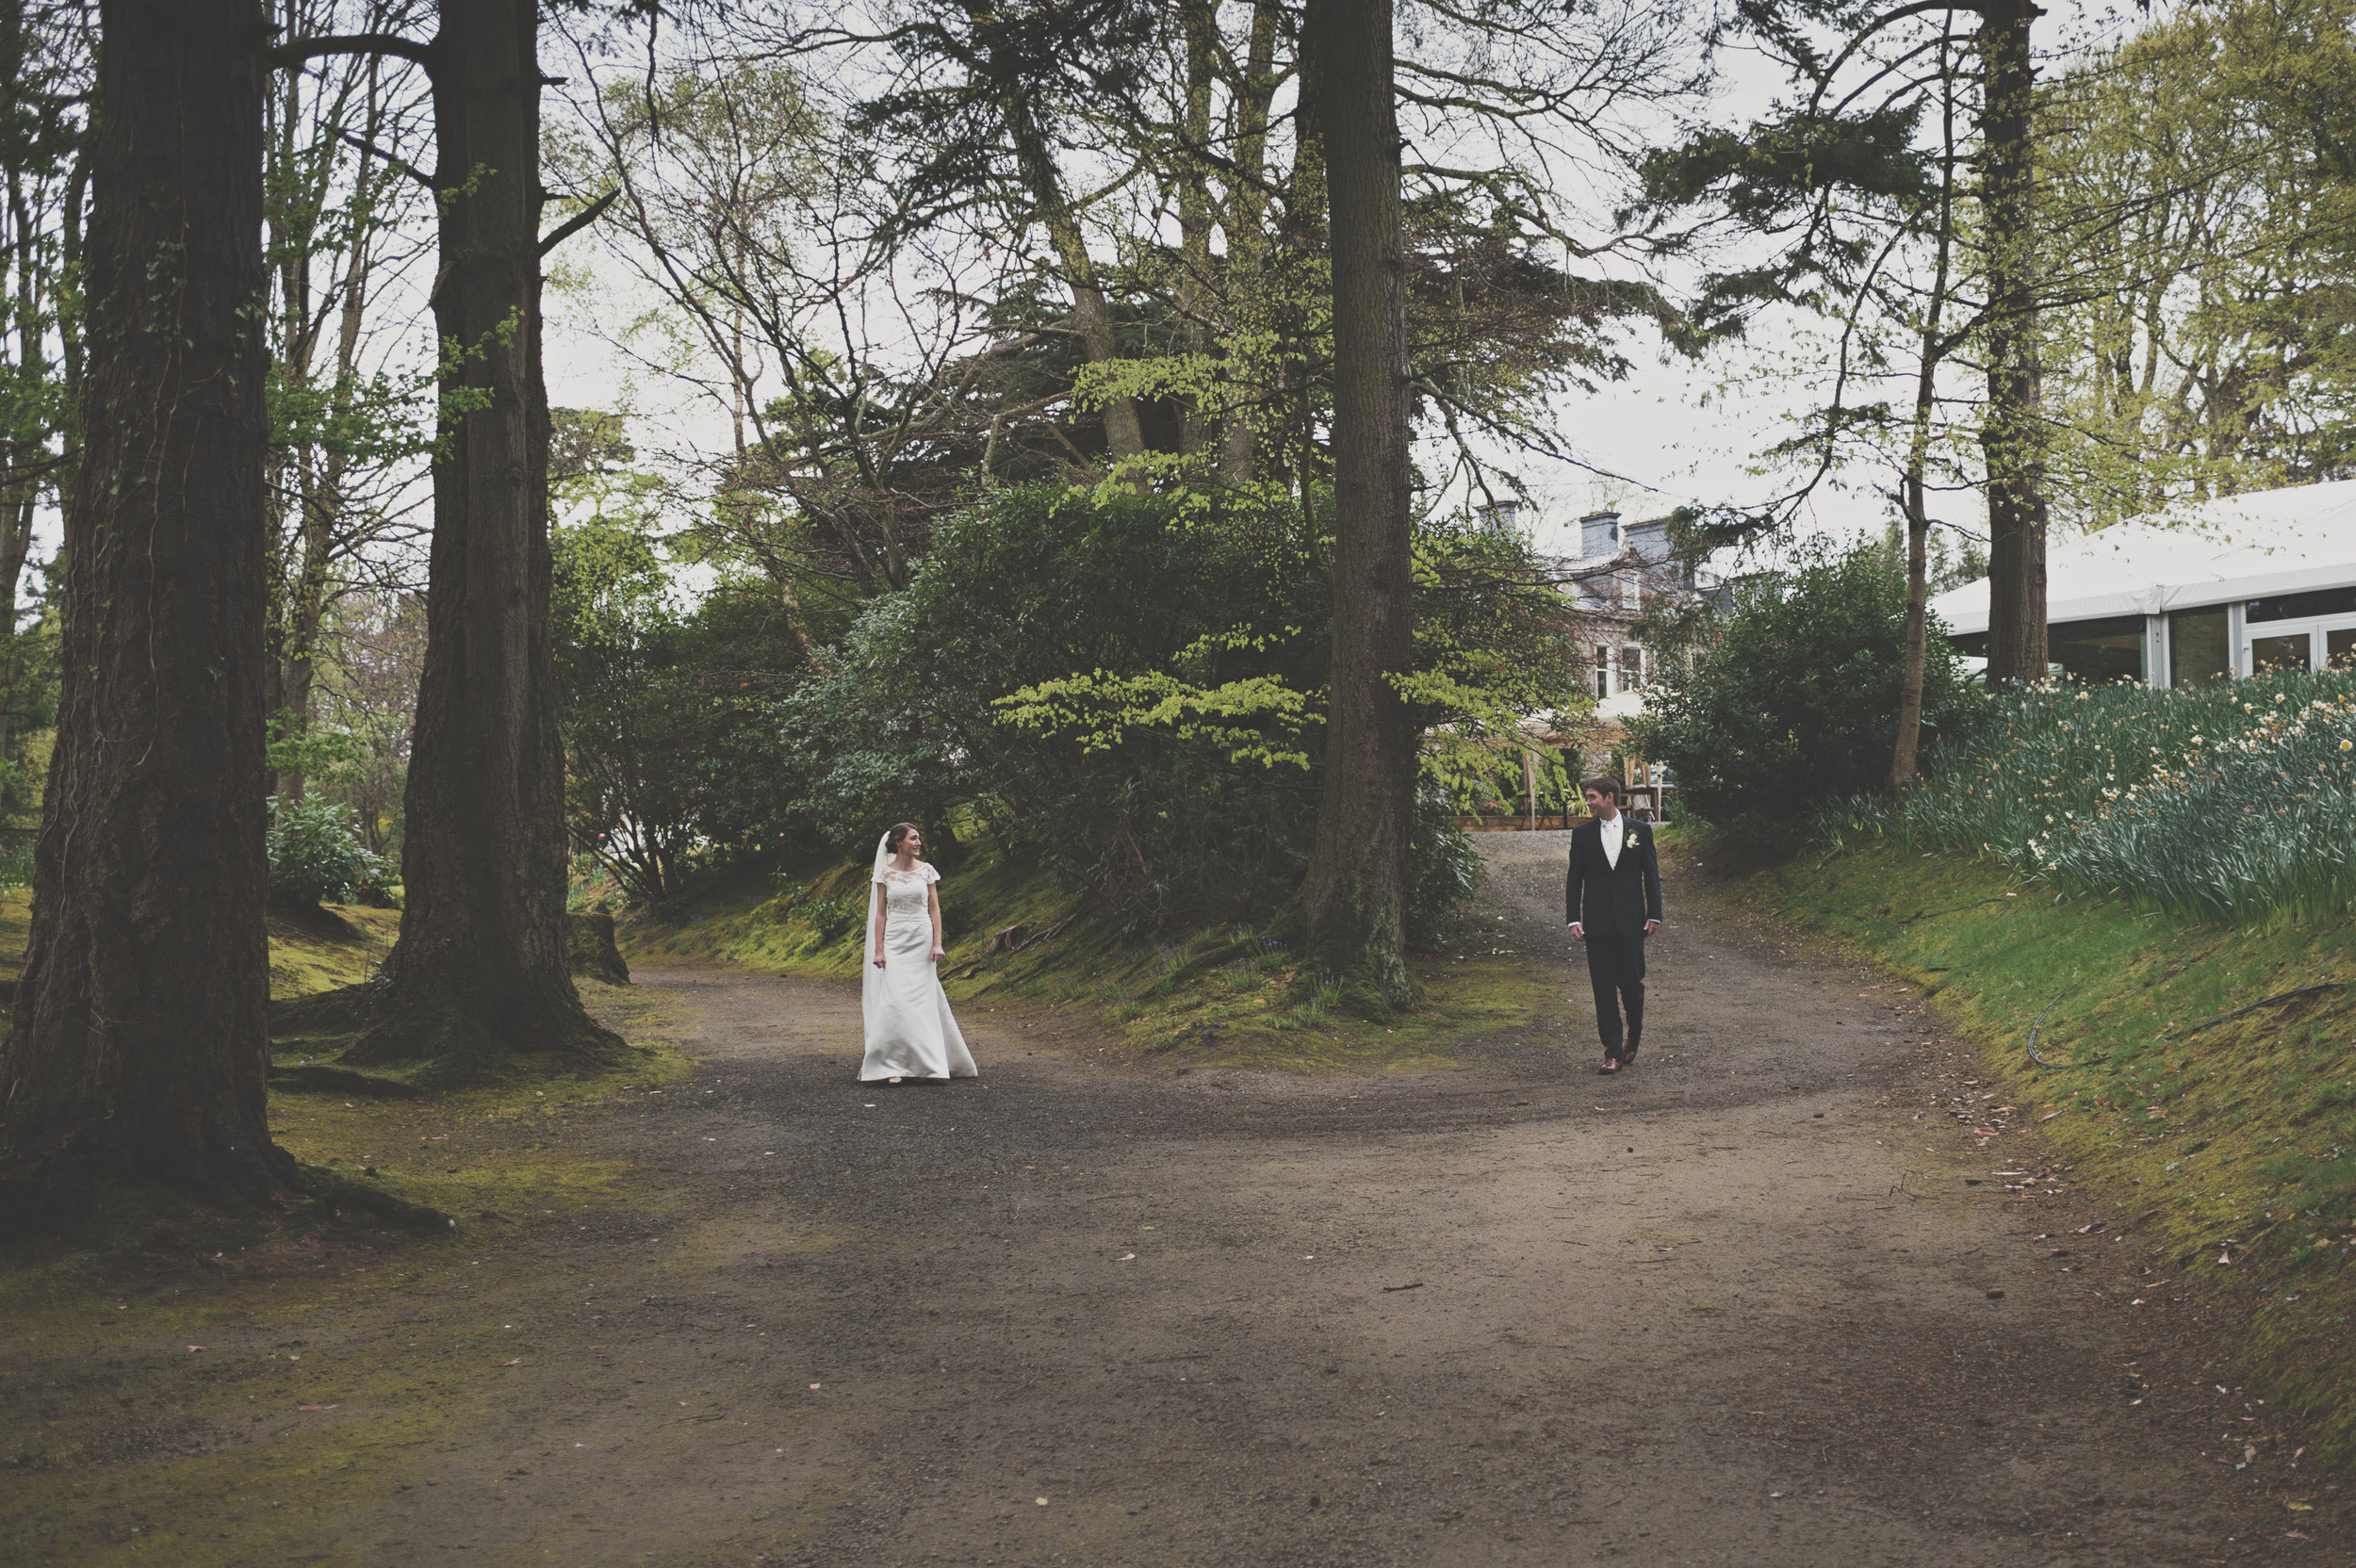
(2237, 1138)
(1211, 996)
(302, 960)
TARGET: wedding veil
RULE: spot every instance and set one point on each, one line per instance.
(871, 978)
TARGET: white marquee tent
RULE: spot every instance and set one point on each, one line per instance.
(2224, 588)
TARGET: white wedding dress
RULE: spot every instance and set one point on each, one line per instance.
(910, 1031)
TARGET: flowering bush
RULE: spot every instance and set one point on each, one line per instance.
(2226, 801)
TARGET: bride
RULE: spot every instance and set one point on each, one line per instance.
(911, 1031)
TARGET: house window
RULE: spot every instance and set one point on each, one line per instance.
(1603, 670)
(1631, 669)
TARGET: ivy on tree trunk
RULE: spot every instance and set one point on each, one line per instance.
(139, 1040)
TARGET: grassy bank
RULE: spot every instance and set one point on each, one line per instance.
(1200, 997)
(2234, 1136)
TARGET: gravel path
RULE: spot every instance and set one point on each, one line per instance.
(1735, 1306)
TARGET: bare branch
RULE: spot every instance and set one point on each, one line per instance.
(304, 49)
(398, 165)
(579, 221)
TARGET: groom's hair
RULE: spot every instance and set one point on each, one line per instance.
(1611, 787)
(900, 830)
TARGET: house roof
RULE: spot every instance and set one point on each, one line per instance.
(2239, 548)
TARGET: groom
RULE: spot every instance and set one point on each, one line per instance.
(1613, 902)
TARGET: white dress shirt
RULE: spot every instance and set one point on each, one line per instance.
(1612, 829)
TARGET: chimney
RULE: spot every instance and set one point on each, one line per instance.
(1651, 541)
(1598, 536)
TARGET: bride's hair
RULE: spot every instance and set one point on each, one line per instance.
(900, 830)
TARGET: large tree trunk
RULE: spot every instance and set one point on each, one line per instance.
(479, 971)
(1245, 218)
(1200, 23)
(1356, 891)
(2012, 432)
(138, 1044)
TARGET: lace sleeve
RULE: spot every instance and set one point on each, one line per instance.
(931, 876)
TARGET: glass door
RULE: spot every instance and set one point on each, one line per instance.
(2326, 643)
(2276, 650)
(2339, 644)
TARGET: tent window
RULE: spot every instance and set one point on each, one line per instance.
(2293, 607)
(2098, 652)
(2198, 649)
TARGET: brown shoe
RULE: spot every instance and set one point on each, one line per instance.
(1611, 1064)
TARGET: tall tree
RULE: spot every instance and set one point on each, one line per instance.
(2201, 177)
(348, 433)
(138, 1042)
(1356, 890)
(479, 971)
(1864, 65)
(45, 61)
(2012, 431)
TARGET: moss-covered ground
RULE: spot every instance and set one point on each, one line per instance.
(2235, 1136)
(146, 1453)
(1204, 996)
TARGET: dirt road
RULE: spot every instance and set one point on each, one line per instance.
(1735, 1306)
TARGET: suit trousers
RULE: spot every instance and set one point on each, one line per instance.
(1615, 967)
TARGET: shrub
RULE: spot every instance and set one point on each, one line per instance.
(1129, 688)
(1446, 867)
(1792, 690)
(670, 756)
(2225, 802)
(316, 856)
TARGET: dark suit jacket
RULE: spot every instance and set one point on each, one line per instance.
(1612, 901)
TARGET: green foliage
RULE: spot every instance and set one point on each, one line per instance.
(1124, 685)
(321, 754)
(1446, 870)
(2201, 338)
(316, 855)
(2227, 802)
(1130, 688)
(1797, 696)
(669, 759)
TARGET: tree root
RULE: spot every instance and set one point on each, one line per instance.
(342, 1192)
(454, 1044)
(345, 1010)
(337, 1080)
